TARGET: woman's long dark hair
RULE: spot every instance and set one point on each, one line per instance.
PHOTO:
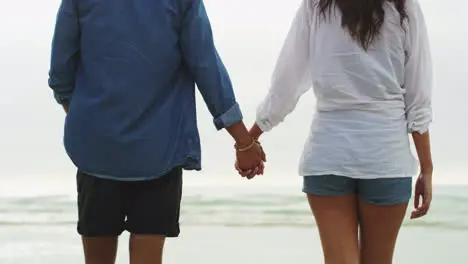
(363, 19)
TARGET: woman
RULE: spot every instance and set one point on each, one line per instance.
(370, 67)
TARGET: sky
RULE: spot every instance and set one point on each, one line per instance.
(248, 35)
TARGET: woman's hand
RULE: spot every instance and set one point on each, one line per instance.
(423, 187)
(423, 195)
(255, 132)
(250, 162)
(246, 171)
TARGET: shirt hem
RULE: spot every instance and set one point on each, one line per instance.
(143, 178)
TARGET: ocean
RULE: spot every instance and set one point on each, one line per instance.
(222, 221)
(227, 224)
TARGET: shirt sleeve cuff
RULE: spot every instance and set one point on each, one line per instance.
(264, 125)
(419, 122)
(420, 128)
(228, 118)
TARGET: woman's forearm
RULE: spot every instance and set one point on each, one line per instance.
(255, 131)
(422, 143)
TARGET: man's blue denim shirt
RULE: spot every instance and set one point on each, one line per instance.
(128, 69)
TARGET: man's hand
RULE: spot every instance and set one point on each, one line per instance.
(250, 160)
(65, 107)
(249, 153)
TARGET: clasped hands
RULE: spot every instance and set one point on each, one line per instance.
(250, 159)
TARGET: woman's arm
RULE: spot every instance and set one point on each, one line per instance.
(422, 143)
(292, 76)
(418, 96)
(255, 131)
(418, 85)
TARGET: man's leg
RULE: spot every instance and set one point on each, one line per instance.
(100, 250)
(101, 217)
(146, 249)
(153, 214)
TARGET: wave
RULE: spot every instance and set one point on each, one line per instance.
(449, 211)
(445, 226)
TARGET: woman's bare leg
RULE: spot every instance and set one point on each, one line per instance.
(337, 221)
(379, 228)
(382, 207)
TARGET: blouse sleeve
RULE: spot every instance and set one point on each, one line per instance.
(292, 76)
(418, 72)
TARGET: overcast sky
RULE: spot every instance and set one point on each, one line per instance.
(249, 35)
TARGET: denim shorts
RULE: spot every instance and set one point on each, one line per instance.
(386, 191)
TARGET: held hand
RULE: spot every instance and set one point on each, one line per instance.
(250, 160)
(423, 195)
(255, 132)
(250, 173)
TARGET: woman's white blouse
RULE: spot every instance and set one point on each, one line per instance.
(367, 101)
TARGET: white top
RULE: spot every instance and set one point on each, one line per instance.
(367, 102)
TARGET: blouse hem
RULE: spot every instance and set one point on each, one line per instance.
(354, 176)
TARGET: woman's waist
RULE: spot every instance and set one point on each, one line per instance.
(360, 121)
(357, 107)
(390, 157)
(358, 136)
(366, 148)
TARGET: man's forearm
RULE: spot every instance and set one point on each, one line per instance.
(423, 148)
(240, 134)
(210, 74)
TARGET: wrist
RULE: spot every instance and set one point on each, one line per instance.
(243, 141)
(252, 145)
(255, 132)
(240, 134)
(426, 168)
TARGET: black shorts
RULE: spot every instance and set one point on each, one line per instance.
(109, 207)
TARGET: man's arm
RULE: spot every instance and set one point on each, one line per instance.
(210, 74)
(65, 53)
(214, 84)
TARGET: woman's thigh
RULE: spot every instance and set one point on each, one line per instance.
(333, 201)
(382, 207)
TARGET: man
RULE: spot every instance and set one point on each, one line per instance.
(125, 73)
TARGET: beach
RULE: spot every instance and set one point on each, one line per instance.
(239, 224)
(227, 245)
